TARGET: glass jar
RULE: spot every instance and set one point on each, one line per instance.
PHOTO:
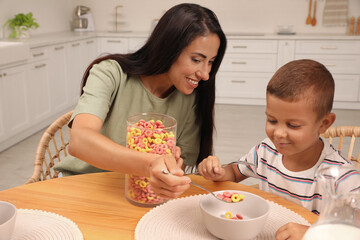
(151, 133)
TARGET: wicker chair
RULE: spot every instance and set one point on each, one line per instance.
(51, 149)
(345, 135)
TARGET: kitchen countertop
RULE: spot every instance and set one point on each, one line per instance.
(42, 40)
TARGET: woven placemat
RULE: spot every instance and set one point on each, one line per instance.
(40, 225)
(181, 219)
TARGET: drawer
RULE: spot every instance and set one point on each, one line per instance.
(37, 54)
(252, 46)
(347, 88)
(249, 63)
(345, 64)
(113, 45)
(327, 47)
(242, 85)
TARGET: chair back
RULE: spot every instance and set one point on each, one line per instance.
(52, 148)
(346, 137)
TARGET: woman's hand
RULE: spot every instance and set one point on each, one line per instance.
(210, 168)
(179, 160)
(168, 185)
(291, 231)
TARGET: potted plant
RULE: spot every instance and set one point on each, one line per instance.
(21, 24)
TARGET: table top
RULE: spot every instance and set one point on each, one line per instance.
(96, 202)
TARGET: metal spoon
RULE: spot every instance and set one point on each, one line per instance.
(224, 165)
(197, 185)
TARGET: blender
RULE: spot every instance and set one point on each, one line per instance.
(83, 21)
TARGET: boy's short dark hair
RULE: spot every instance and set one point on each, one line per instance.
(294, 80)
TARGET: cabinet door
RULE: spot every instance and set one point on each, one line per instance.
(59, 97)
(346, 87)
(38, 91)
(286, 52)
(88, 52)
(13, 101)
(75, 71)
(136, 43)
(113, 45)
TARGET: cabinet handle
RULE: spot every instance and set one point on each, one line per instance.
(89, 42)
(330, 65)
(238, 81)
(239, 46)
(328, 47)
(41, 65)
(4, 74)
(59, 48)
(1, 75)
(239, 63)
(38, 54)
(75, 44)
(114, 41)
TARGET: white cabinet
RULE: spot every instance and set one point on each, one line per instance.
(58, 75)
(38, 85)
(75, 71)
(342, 59)
(113, 45)
(136, 43)
(286, 52)
(32, 95)
(246, 68)
(13, 101)
(88, 52)
(79, 55)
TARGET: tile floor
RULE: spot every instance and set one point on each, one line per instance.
(238, 128)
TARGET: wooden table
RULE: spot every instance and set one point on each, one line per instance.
(96, 202)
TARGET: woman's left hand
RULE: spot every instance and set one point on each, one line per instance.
(291, 231)
(168, 185)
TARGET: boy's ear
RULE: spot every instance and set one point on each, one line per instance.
(326, 122)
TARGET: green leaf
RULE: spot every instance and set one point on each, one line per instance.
(21, 19)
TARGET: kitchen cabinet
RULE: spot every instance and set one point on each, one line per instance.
(89, 52)
(79, 56)
(58, 75)
(342, 59)
(75, 71)
(246, 68)
(13, 102)
(248, 65)
(113, 45)
(38, 85)
(136, 43)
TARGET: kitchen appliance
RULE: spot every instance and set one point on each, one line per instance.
(83, 20)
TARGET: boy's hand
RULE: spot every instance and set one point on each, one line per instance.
(293, 231)
(210, 168)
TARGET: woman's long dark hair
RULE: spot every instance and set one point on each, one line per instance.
(178, 27)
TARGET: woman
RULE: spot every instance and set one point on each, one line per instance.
(173, 74)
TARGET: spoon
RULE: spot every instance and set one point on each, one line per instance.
(224, 165)
(313, 22)
(308, 19)
(197, 185)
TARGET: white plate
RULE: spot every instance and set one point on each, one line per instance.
(181, 219)
(40, 225)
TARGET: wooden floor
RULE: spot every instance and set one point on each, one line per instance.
(238, 129)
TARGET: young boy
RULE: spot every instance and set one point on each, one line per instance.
(299, 100)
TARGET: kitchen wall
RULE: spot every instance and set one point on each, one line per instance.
(234, 15)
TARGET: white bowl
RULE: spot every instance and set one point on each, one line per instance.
(7, 220)
(253, 208)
